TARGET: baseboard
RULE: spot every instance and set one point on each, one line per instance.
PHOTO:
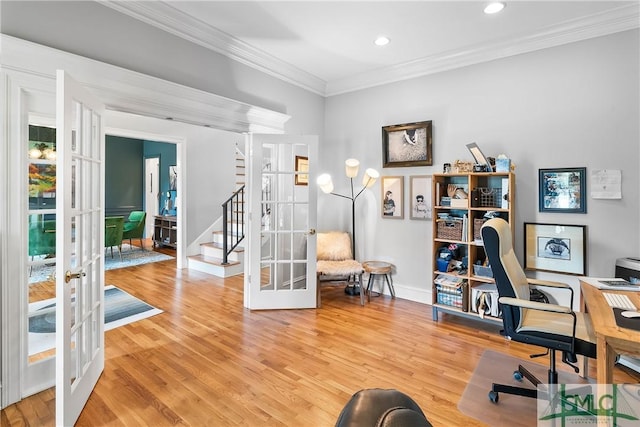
(410, 293)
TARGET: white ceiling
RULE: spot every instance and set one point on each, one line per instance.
(327, 46)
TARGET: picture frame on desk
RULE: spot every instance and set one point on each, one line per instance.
(556, 248)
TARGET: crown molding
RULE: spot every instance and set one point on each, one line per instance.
(602, 24)
(132, 92)
(167, 18)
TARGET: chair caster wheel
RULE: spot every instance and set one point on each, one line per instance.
(517, 375)
(493, 396)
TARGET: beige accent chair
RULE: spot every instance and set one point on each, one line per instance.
(335, 261)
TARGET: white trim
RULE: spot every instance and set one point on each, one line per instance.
(411, 293)
(167, 18)
(609, 22)
(131, 92)
(163, 16)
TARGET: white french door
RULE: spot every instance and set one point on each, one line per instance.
(281, 222)
(79, 247)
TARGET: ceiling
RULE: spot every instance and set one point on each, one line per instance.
(327, 46)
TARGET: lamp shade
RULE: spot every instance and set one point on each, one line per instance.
(370, 177)
(351, 167)
(325, 183)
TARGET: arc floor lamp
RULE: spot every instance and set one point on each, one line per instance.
(370, 177)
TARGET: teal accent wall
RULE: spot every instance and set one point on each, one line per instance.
(124, 172)
(124, 175)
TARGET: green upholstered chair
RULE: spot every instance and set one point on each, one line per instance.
(113, 227)
(134, 227)
(42, 238)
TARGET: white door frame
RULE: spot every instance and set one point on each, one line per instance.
(181, 200)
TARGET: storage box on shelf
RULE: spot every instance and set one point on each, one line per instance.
(458, 225)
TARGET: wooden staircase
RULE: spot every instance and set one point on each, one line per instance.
(211, 257)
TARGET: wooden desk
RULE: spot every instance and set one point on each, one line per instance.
(611, 339)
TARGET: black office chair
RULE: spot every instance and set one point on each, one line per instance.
(555, 327)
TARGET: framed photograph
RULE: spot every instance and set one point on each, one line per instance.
(407, 145)
(555, 247)
(420, 197)
(392, 197)
(173, 178)
(301, 167)
(562, 190)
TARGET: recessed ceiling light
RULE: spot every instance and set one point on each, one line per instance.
(382, 41)
(494, 7)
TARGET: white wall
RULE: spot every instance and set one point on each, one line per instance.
(571, 106)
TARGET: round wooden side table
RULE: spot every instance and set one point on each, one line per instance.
(379, 268)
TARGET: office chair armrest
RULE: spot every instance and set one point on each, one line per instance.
(535, 305)
(551, 284)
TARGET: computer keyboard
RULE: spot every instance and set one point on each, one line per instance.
(619, 301)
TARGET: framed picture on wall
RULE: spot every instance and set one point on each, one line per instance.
(301, 169)
(407, 145)
(392, 197)
(555, 247)
(420, 197)
(173, 178)
(562, 190)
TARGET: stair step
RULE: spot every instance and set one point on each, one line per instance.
(213, 260)
(219, 246)
(214, 266)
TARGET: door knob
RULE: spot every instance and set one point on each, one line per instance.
(69, 275)
(312, 231)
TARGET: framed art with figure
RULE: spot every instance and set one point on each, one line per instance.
(392, 197)
(420, 197)
(407, 145)
(555, 247)
(562, 190)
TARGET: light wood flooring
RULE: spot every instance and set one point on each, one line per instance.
(207, 361)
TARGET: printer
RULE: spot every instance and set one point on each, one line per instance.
(627, 268)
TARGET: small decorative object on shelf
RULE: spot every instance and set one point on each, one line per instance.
(462, 283)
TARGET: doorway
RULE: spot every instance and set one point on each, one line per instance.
(151, 192)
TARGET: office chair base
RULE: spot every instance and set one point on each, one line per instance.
(521, 373)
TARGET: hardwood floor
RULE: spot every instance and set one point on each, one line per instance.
(207, 361)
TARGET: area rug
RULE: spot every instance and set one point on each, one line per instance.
(494, 367)
(131, 255)
(120, 308)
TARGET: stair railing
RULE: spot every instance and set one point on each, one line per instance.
(232, 223)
